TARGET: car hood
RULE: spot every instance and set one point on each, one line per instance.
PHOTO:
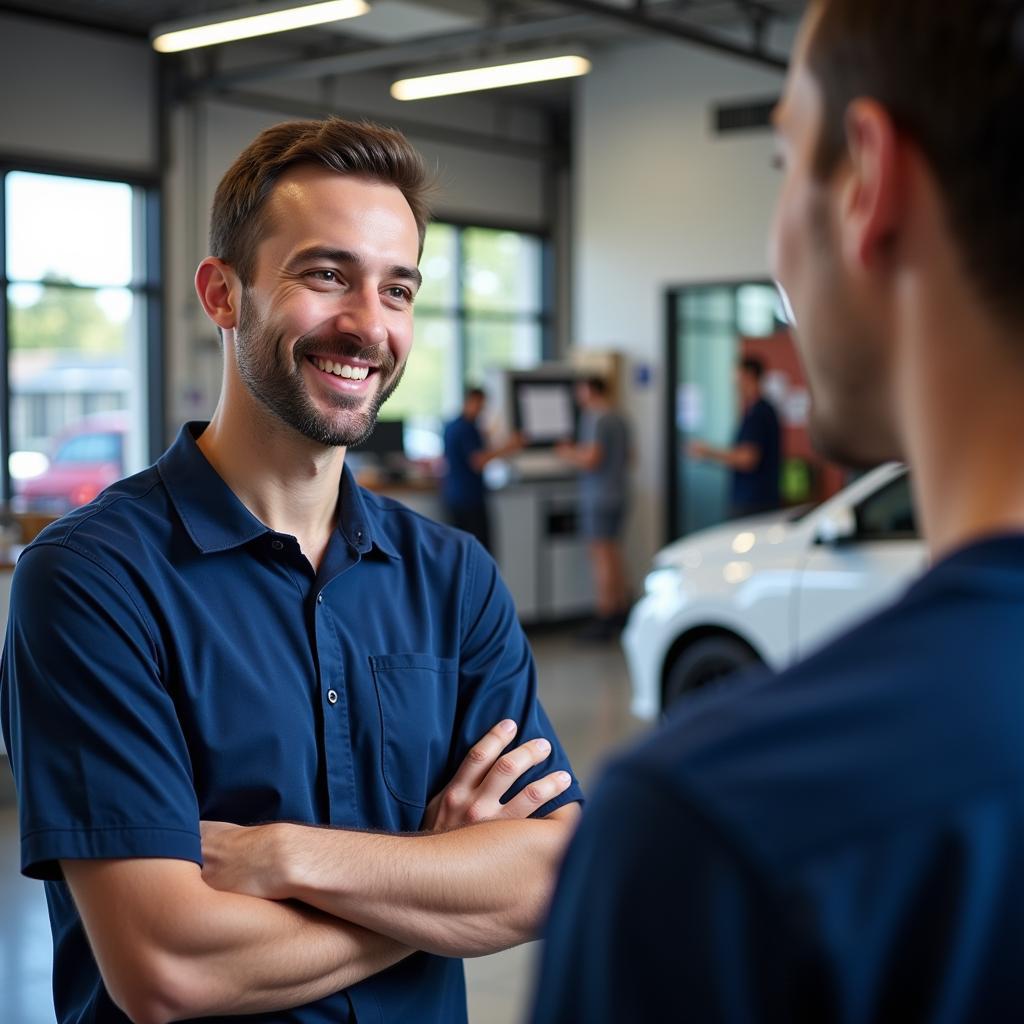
(737, 538)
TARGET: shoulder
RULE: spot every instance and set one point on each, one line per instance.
(99, 553)
(831, 750)
(115, 527)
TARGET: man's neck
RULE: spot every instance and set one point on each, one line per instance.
(962, 423)
(287, 481)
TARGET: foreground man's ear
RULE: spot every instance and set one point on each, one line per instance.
(872, 197)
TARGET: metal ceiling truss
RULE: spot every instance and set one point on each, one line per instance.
(454, 44)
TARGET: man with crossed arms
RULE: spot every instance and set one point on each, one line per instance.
(241, 634)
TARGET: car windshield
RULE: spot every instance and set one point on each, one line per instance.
(90, 448)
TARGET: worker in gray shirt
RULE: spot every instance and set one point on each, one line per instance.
(602, 453)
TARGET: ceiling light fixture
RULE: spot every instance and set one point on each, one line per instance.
(244, 23)
(497, 76)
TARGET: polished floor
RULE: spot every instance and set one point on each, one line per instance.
(586, 694)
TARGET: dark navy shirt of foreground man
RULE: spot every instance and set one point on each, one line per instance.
(841, 843)
(170, 658)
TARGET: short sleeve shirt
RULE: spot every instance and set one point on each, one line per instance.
(462, 485)
(759, 487)
(841, 842)
(170, 658)
(606, 486)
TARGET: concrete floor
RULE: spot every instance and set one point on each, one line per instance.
(585, 691)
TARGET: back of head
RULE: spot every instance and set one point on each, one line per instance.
(752, 367)
(361, 149)
(951, 74)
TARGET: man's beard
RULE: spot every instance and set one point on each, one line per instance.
(284, 392)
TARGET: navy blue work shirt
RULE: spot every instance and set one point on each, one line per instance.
(758, 489)
(170, 658)
(843, 842)
(462, 484)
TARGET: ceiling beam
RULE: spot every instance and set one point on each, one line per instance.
(554, 151)
(420, 51)
(637, 17)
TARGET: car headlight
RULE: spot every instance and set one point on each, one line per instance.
(661, 582)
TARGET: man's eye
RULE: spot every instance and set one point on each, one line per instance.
(330, 276)
(397, 292)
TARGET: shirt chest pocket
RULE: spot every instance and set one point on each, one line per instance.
(417, 696)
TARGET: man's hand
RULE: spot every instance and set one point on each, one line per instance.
(698, 449)
(252, 860)
(486, 775)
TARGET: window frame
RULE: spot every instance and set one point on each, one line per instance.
(149, 287)
(865, 535)
(461, 315)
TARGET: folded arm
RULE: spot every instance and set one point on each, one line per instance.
(459, 890)
(169, 946)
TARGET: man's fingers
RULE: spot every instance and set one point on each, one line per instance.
(536, 795)
(482, 755)
(509, 768)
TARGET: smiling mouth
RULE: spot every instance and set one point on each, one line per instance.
(343, 369)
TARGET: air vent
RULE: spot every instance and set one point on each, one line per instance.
(748, 116)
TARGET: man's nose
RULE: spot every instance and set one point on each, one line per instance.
(362, 314)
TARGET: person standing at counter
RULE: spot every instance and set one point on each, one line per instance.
(602, 454)
(463, 491)
(754, 460)
(240, 634)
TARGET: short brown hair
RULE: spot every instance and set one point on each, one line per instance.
(361, 149)
(951, 75)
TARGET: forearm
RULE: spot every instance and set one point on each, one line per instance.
(742, 457)
(467, 892)
(254, 955)
(168, 946)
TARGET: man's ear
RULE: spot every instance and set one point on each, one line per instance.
(219, 291)
(872, 198)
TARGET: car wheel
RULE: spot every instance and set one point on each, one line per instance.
(705, 661)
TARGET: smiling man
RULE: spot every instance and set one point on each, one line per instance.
(241, 635)
(845, 841)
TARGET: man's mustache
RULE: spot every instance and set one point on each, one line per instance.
(378, 356)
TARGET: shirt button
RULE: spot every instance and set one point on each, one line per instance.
(332, 696)
(320, 598)
(276, 545)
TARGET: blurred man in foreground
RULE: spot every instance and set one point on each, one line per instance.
(845, 842)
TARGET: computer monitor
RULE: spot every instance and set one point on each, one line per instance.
(387, 439)
(544, 409)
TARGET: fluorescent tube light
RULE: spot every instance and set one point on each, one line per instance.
(495, 77)
(230, 25)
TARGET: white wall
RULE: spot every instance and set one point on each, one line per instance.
(661, 201)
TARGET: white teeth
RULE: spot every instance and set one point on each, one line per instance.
(345, 370)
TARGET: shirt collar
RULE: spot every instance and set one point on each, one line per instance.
(217, 520)
(359, 520)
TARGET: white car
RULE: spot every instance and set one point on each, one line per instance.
(769, 589)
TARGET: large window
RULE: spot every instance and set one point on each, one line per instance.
(482, 308)
(81, 315)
